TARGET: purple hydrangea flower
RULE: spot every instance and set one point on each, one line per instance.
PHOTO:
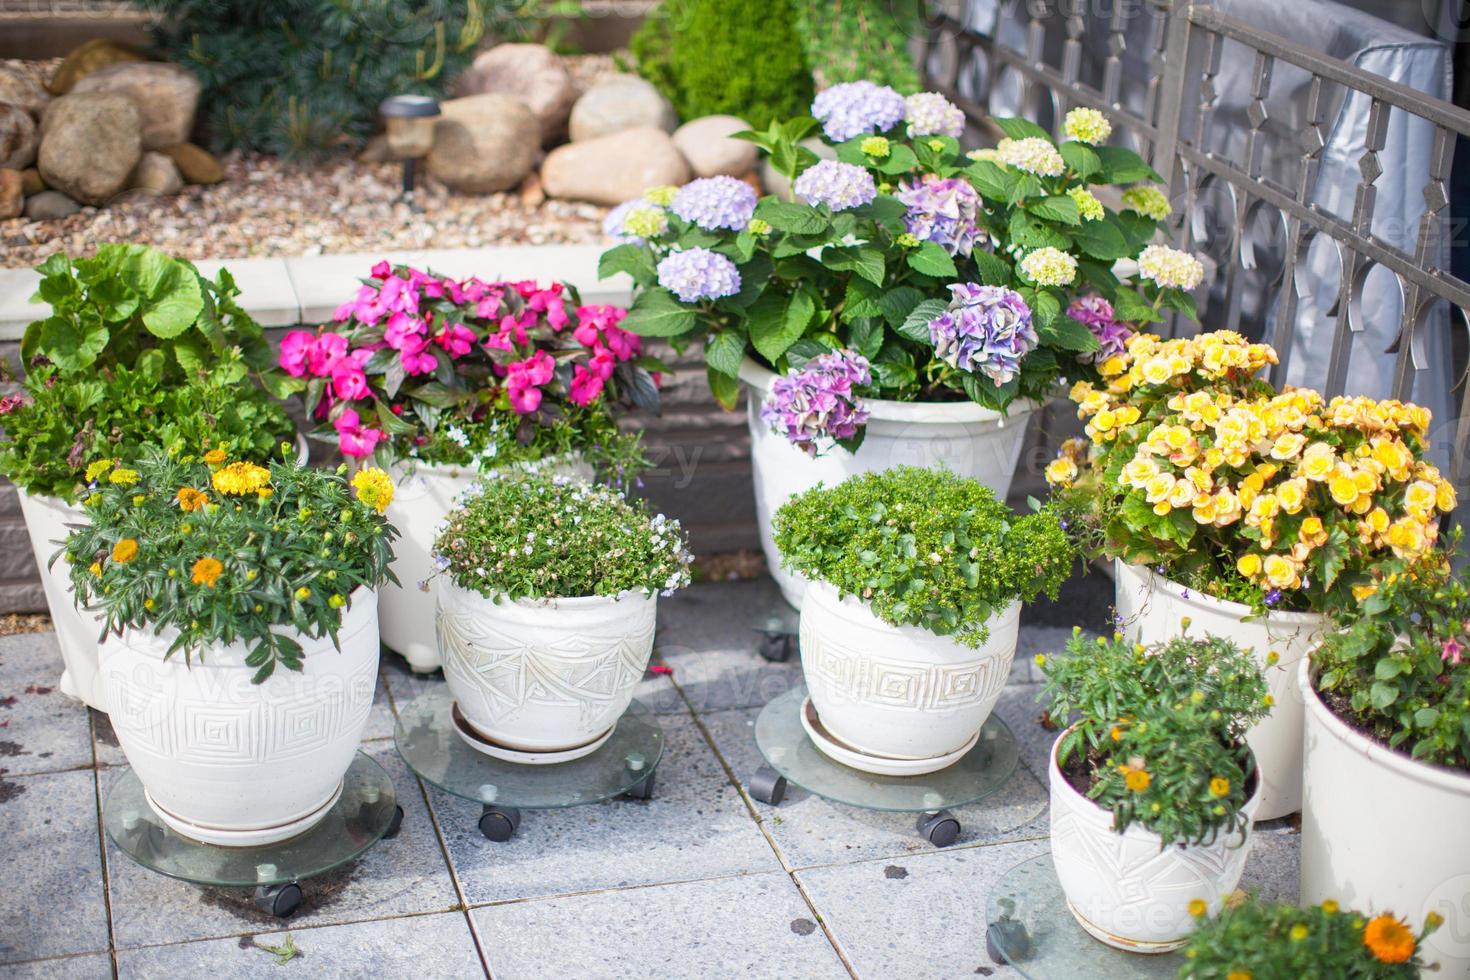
(854, 108)
(986, 330)
(715, 202)
(698, 273)
(1097, 314)
(840, 186)
(817, 403)
(943, 211)
(931, 114)
(612, 225)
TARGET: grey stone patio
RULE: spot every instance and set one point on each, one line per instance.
(699, 881)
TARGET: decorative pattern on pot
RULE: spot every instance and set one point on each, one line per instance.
(229, 762)
(1125, 889)
(1150, 609)
(960, 436)
(1383, 832)
(544, 675)
(899, 692)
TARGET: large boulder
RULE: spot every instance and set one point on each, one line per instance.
(532, 73)
(166, 97)
(90, 143)
(12, 200)
(619, 102)
(197, 166)
(87, 58)
(50, 205)
(17, 137)
(484, 143)
(31, 182)
(20, 88)
(614, 168)
(706, 144)
(157, 175)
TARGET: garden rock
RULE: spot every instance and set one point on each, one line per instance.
(706, 144)
(195, 165)
(614, 168)
(90, 143)
(375, 150)
(50, 205)
(12, 197)
(166, 97)
(617, 103)
(31, 182)
(87, 58)
(532, 73)
(484, 143)
(19, 88)
(17, 137)
(157, 174)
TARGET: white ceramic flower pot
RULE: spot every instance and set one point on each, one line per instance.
(1383, 833)
(77, 630)
(544, 675)
(234, 763)
(1150, 610)
(1125, 889)
(422, 499)
(967, 439)
(899, 692)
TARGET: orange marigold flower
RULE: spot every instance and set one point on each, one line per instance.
(125, 550)
(1198, 907)
(215, 456)
(1137, 779)
(1388, 939)
(207, 571)
(1219, 786)
(190, 499)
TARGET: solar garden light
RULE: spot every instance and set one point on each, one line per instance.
(410, 125)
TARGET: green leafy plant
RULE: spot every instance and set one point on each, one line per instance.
(848, 40)
(221, 551)
(1253, 939)
(139, 350)
(1398, 668)
(529, 537)
(1159, 732)
(923, 548)
(741, 57)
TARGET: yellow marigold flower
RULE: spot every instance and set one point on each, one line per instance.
(190, 499)
(1388, 939)
(1087, 125)
(240, 478)
(1240, 975)
(95, 568)
(1299, 932)
(1198, 907)
(123, 477)
(303, 593)
(1088, 206)
(1219, 786)
(215, 456)
(1330, 906)
(1049, 266)
(149, 603)
(1061, 472)
(125, 550)
(1137, 779)
(207, 571)
(97, 467)
(1147, 201)
(1268, 700)
(663, 196)
(374, 488)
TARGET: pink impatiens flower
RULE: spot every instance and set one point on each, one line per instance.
(1452, 652)
(457, 339)
(523, 378)
(294, 347)
(353, 438)
(348, 380)
(586, 387)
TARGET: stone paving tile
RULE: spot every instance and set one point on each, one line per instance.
(811, 831)
(92, 966)
(422, 946)
(51, 866)
(41, 729)
(917, 916)
(1019, 709)
(696, 826)
(753, 925)
(1273, 869)
(403, 876)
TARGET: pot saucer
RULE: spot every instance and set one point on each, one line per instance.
(480, 742)
(839, 751)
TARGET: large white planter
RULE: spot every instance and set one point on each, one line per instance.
(422, 499)
(229, 762)
(1125, 889)
(1383, 833)
(544, 675)
(77, 630)
(1150, 610)
(899, 692)
(961, 436)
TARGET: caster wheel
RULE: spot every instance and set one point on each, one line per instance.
(768, 786)
(777, 647)
(642, 791)
(394, 825)
(278, 900)
(1008, 935)
(499, 823)
(940, 829)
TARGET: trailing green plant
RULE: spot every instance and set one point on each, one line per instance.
(1253, 939)
(737, 57)
(217, 551)
(535, 536)
(1158, 733)
(923, 548)
(849, 40)
(139, 350)
(1398, 666)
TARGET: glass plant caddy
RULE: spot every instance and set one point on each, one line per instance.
(434, 749)
(777, 628)
(1029, 927)
(365, 813)
(792, 757)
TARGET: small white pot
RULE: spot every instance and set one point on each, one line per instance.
(77, 630)
(1126, 889)
(899, 692)
(961, 436)
(1151, 608)
(229, 762)
(422, 499)
(1383, 833)
(544, 675)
